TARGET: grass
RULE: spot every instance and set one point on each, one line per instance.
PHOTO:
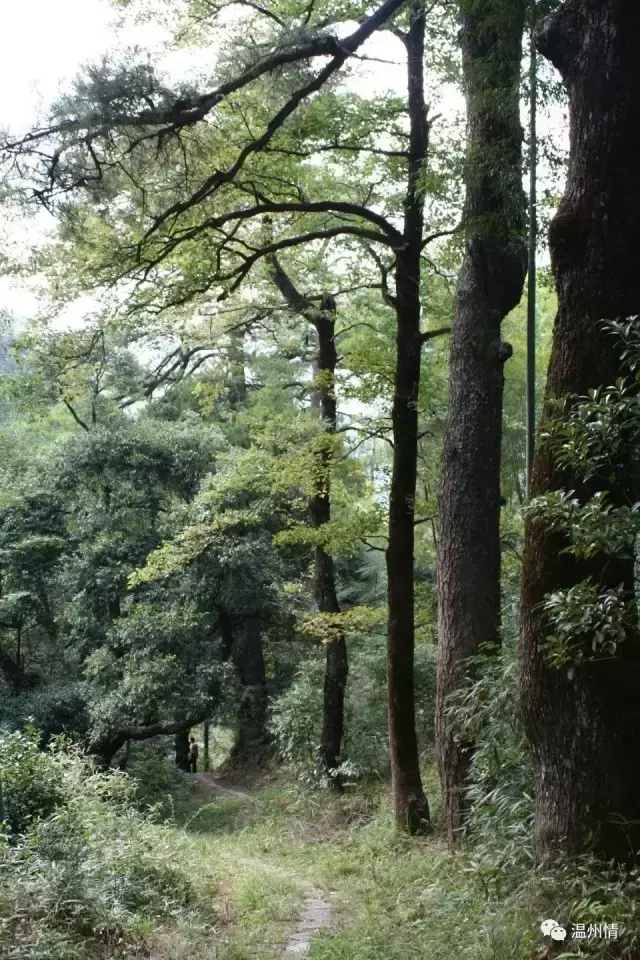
(252, 863)
(391, 896)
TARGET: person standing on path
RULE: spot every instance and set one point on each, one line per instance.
(193, 755)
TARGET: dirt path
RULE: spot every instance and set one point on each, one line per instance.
(316, 912)
(210, 782)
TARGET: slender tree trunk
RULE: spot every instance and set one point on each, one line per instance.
(207, 757)
(237, 378)
(337, 666)
(583, 725)
(323, 400)
(490, 284)
(410, 803)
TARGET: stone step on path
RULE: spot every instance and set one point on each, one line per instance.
(316, 915)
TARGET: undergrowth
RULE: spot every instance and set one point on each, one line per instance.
(87, 875)
(83, 872)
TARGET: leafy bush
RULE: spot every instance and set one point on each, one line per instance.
(151, 765)
(85, 874)
(31, 781)
(58, 708)
(296, 719)
(494, 880)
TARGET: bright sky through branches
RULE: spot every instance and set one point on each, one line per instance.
(45, 44)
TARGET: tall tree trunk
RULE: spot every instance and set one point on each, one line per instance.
(410, 803)
(324, 578)
(583, 725)
(207, 756)
(242, 644)
(237, 379)
(532, 243)
(490, 284)
(246, 641)
(323, 400)
(248, 659)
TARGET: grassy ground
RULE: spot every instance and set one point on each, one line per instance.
(393, 898)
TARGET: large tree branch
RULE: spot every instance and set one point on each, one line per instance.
(109, 746)
(294, 299)
(345, 49)
(430, 334)
(188, 111)
(393, 237)
(239, 274)
(75, 416)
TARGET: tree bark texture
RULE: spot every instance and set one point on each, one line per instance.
(410, 803)
(583, 725)
(207, 755)
(323, 399)
(237, 380)
(248, 659)
(490, 285)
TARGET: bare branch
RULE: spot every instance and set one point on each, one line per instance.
(431, 334)
(75, 416)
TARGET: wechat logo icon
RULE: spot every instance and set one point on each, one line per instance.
(551, 928)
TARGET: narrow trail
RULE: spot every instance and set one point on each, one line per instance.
(210, 782)
(316, 916)
(316, 913)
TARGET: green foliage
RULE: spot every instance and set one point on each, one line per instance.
(90, 876)
(594, 438)
(31, 782)
(588, 622)
(78, 653)
(499, 829)
(296, 716)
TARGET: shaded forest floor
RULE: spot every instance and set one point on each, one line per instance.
(268, 855)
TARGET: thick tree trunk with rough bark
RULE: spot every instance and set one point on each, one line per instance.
(490, 284)
(410, 803)
(182, 749)
(583, 725)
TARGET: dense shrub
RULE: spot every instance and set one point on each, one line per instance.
(296, 717)
(31, 781)
(57, 708)
(83, 872)
(151, 765)
(494, 881)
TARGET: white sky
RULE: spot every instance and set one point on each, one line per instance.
(43, 44)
